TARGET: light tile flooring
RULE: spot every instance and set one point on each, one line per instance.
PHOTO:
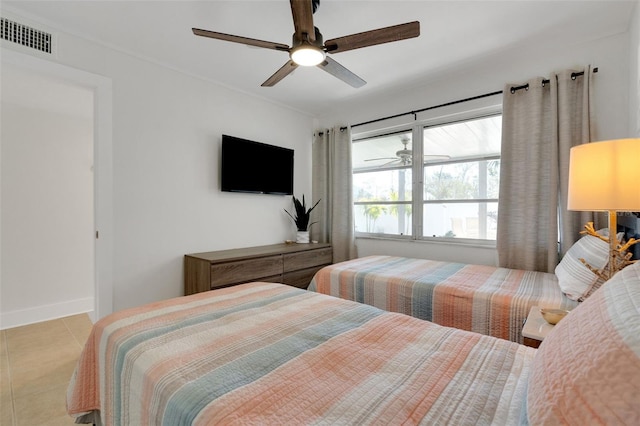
(36, 363)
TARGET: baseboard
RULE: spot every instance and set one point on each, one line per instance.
(46, 312)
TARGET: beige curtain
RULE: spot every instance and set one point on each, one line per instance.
(539, 126)
(332, 183)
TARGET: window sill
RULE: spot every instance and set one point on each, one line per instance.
(486, 244)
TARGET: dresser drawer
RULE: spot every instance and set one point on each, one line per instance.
(272, 279)
(246, 270)
(307, 259)
(302, 278)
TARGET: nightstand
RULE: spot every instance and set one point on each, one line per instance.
(535, 328)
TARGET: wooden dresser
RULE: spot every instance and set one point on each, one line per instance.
(292, 264)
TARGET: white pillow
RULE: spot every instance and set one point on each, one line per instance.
(574, 278)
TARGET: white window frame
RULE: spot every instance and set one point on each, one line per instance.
(418, 202)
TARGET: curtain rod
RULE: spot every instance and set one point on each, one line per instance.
(486, 95)
(514, 89)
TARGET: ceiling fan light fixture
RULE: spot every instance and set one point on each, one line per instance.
(307, 55)
(308, 48)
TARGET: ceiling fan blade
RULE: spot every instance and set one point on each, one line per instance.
(337, 70)
(241, 40)
(390, 162)
(302, 11)
(280, 74)
(381, 158)
(437, 156)
(373, 37)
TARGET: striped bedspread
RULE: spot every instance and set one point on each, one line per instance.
(485, 299)
(263, 353)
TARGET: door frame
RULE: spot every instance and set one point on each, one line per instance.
(103, 165)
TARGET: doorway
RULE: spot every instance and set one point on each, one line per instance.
(41, 248)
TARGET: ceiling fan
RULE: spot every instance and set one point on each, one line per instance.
(308, 49)
(404, 156)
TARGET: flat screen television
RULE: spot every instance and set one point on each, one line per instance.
(254, 167)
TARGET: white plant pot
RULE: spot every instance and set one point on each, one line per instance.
(302, 237)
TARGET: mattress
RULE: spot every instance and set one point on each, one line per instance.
(264, 353)
(484, 299)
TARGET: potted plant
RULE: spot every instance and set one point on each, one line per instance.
(301, 219)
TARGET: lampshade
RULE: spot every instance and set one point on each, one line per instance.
(605, 176)
(307, 55)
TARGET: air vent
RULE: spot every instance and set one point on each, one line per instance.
(25, 36)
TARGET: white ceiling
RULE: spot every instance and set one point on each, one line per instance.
(452, 33)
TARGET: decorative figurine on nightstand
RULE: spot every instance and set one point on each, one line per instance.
(301, 219)
(619, 254)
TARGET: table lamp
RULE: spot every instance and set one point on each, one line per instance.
(605, 176)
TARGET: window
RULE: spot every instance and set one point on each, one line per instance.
(382, 184)
(451, 193)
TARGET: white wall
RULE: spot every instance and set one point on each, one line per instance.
(166, 199)
(489, 74)
(47, 204)
(167, 129)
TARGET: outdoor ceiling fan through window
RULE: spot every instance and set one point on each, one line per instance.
(308, 49)
(404, 156)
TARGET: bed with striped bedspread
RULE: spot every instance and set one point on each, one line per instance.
(484, 299)
(264, 353)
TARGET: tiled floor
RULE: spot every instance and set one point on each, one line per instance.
(36, 363)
